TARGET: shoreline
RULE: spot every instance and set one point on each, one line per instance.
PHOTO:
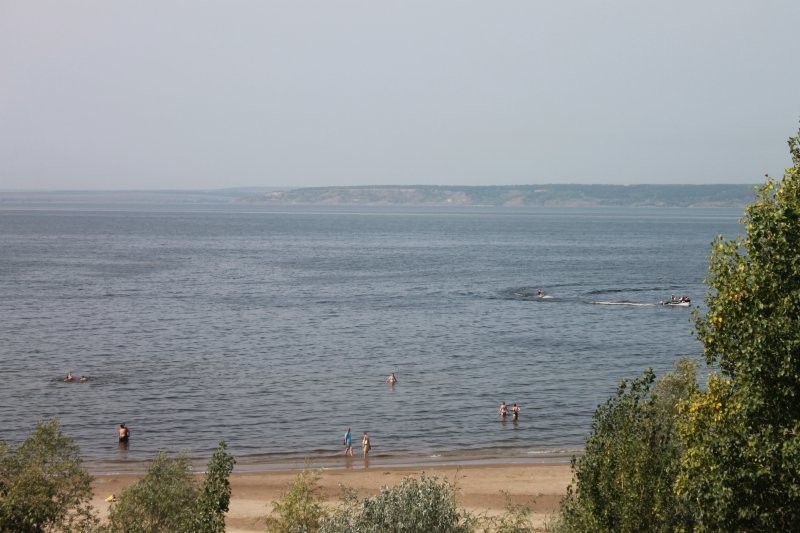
(337, 461)
(483, 488)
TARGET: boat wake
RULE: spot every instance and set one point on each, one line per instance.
(629, 304)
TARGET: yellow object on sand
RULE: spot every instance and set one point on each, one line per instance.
(111, 498)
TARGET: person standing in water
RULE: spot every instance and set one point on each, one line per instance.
(515, 411)
(365, 445)
(503, 410)
(123, 433)
(348, 443)
(391, 380)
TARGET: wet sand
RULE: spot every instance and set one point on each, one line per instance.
(481, 487)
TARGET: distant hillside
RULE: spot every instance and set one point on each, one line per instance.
(518, 196)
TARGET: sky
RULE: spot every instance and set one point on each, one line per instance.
(197, 94)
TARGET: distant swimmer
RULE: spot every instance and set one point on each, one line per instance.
(392, 379)
(84, 379)
(69, 377)
(503, 410)
(540, 293)
(515, 411)
(123, 433)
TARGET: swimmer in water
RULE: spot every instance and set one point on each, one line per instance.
(123, 433)
(68, 377)
(391, 380)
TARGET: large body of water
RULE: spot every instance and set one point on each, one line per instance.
(274, 329)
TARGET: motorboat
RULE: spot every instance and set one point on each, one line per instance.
(682, 301)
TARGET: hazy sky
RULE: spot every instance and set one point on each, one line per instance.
(206, 94)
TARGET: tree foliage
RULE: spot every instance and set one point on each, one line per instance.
(416, 504)
(162, 501)
(624, 480)
(167, 498)
(300, 509)
(215, 496)
(741, 469)
(43, 485)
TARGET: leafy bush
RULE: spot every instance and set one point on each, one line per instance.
(300, 508)
(163, 500)
(215, 497)
(43, 485)
(167, 499)
(624, 481)
(417, 504)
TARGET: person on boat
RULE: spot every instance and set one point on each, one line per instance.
(685, 299)
(69, 377)
(392, 379)
(515, 411)
(540, 293)
(673, 299)
(503, 410)
(123, 433)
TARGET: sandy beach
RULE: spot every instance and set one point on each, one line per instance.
(481, 488)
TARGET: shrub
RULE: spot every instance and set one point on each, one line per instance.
(300, 508)
(43, 485)
(215, 496)
(624, 481)
(417, 504)
(162, 501)
(167, 498)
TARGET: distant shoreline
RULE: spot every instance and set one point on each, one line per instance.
(502, 196)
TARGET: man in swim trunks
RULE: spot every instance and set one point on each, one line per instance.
(123, 433)
(503, 410)
(515, 411)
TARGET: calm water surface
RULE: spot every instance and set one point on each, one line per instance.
(275, 329)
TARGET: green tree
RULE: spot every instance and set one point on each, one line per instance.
(624, 481)
(417, 504)
(215, 496)
(300, 509)
(167, 498)
(164, 500)
(741, 469)
(43, 485)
